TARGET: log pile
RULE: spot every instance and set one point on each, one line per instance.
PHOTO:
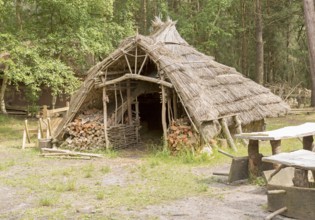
(67, 154)
(181, 136)
(86, 132)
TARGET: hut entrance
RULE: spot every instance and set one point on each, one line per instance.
(150, 114)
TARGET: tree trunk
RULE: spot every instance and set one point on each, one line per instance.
(18, 9)
(259, 44)
(309, 14)
(145, 25)
(244, 43)
(2, 92)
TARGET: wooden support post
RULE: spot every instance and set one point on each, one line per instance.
(308, 143)
(136, 59)
(300, 178)
(116, 105)
(276, 149)
(129, 103)
(254, 158)
(175, 105)
(169, 109)
(164, 124)
(105, 99)
(227, 134)
(45, 111)
(137, 120)
(122, 106)
(238, 128)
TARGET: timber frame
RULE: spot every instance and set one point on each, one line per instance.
(188, 83)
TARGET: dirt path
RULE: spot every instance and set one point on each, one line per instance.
(20, 180)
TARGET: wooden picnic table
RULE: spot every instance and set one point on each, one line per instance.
(301, 160)
(304, 131)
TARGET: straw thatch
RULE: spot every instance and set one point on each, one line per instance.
(207, 89)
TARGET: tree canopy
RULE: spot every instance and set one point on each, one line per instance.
(51, 40)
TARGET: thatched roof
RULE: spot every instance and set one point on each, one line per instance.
(207, 89)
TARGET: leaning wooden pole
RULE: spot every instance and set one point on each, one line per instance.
(105, 117)
(227, 134)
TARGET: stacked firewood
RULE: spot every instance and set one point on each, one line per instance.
(86, 132)
(181, 136)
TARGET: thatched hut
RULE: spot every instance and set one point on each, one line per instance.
(161, 77)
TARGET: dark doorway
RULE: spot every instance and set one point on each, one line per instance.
(150, 115)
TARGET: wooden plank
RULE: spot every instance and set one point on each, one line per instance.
(300, 202)
(302, 159)
(306, 129)
(57, 110)
(239, 169)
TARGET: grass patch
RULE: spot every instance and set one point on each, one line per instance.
(105, 169)
(6, 165)
(88, 169)
(100, 195)
(157, 184)
(47, 201)
(157, 177)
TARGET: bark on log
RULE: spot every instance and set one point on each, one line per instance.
(276, 149)
(254, 158)
(300, 178)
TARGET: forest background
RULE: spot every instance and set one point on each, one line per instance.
(50, 41)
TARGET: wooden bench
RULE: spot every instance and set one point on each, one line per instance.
(304, 131)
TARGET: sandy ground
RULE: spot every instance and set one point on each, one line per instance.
(240, 201)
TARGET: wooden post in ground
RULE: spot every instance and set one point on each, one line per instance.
(164, 123)
(175, 105)
(254, 158)
(129, 103)
(300, 178)
(105, 98)
(276, 149)
(308, 145)
(137, 120)
(227, 134)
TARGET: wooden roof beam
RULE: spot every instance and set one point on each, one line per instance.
(135, 77)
